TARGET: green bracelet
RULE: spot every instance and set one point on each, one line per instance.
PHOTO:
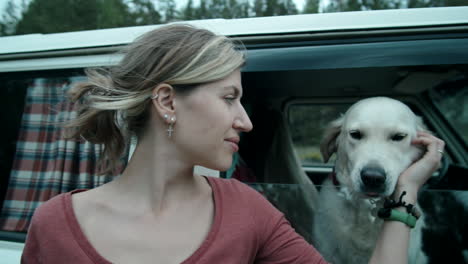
(403, 217)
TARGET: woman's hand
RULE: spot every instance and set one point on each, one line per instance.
(420, 171)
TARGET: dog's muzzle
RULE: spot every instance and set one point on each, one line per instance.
(373, 180)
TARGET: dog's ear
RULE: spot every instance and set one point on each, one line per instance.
(328, 146)
(420, 126)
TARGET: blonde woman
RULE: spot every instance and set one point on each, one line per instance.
(178, 91)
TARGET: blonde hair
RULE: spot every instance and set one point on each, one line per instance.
(114, 102)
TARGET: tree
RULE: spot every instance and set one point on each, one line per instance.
(168, 8)
(289, 7)
(381, 4)
(259, 7)
(242, 9)
(144, 12)
(202, 12)
(311, 7)
(360, 5)
(50, 16)
(9, 19)
(274, 7)
(189, 12)
(111, 13)
(216, 9)
(435, 3)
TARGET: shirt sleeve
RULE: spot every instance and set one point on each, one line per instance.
(284, 245)
(278, 242)
(31, 252)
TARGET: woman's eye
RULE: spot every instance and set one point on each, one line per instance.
(230, 99)
(356, 134)
(398, 137)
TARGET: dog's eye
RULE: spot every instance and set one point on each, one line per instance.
(398, 137)
(356, 134)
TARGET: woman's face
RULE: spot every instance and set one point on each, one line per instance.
(209, 121)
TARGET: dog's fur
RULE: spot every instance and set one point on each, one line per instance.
(372, 141)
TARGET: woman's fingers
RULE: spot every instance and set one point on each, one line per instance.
(434, 148)
(420, 171)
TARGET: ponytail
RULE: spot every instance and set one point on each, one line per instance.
(98, 125)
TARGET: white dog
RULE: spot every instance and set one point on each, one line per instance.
(373, 145)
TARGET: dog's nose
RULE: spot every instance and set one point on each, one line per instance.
(373, 177)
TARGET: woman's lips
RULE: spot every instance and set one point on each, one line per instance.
(233, 142)
(234, 146)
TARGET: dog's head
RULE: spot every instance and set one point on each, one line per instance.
(372, 141)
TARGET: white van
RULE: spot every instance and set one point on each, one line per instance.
(310, 67)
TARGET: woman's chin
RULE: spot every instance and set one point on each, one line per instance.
(223, 168)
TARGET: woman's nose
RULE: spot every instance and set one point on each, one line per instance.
(242, 122)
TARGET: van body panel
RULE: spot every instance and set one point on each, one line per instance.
(279, 25)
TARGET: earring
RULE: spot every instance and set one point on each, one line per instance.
(170, 129)
(154, 96)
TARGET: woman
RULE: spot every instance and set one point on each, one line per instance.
(178, 91)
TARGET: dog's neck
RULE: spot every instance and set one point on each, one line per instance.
(334, 179)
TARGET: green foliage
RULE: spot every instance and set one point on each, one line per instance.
(144, 12)
(311, 6)
(307, 123)
(202, 11)
(217, 9)
(189, 11)
(50, 16)
(436, 3)
(108, 13)
(274, 8)
(168, 8)
(9, 19)
(360, 5)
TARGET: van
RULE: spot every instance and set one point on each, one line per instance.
(306, 68)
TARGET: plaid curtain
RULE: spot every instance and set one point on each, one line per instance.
(45, 164)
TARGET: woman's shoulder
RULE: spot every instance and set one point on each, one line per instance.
(54, 209)
(243, 194)
(233, 186)
(50, 207)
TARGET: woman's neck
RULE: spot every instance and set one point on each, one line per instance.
(157, 178)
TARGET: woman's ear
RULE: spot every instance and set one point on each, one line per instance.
(163, 100)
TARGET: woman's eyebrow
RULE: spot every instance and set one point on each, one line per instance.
(236, 89)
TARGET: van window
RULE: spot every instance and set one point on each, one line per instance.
(451, 98)
(42, 163)
(307, 123)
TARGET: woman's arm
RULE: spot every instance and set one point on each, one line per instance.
(393, 243)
